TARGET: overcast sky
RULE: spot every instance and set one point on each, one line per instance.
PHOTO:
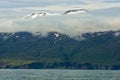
(102, 15)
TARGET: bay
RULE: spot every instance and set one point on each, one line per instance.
(57, 74)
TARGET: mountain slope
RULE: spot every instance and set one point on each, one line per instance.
(98, 50)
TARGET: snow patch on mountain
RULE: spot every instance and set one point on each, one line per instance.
(39, 14)
(6, 35)
(116, 34)
(99, 34)
(56, 35)
(79, 37)
(17, 36)
(68, 12)
(77, 11)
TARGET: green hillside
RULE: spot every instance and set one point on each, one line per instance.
(100, 50)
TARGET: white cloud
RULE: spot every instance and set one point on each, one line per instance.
(71, 25)
(11, 18)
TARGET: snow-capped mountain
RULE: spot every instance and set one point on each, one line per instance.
(38, 14)
(68, 12)
(76, 11)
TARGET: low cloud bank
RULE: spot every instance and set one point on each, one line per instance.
(71, 25)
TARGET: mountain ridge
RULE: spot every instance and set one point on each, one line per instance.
(56, 50)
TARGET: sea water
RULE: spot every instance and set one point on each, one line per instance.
(53, 74)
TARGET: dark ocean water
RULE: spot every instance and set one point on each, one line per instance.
(54, 74)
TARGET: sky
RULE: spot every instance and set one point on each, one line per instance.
(102, 15)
